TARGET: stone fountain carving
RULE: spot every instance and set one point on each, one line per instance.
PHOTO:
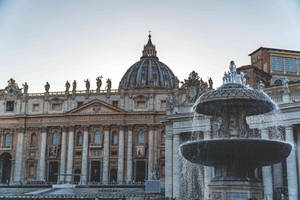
(236, 153)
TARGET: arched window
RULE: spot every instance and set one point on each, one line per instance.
(33, 140)
(97, 137)
(7, 140)
(55, 138)
(79, 138)
(115, 138)
(141, 137)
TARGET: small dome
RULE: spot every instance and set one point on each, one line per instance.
(148, 72)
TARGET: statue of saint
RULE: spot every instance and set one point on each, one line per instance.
(25, 87)
(210, 82)
(108, 84)
(87, 84)
(67, 86)
(47, 87)
(74, 85)
(99, 82)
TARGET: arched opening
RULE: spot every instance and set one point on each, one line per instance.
(77, 177)
(55, 138)
(33, 140)
(97, 137)
(5, 167)
(141, 137)
(140, 171)
(53, 172)
(7, 140)
(113, 175)
(79, 139)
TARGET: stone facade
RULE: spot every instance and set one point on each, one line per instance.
(86, 136)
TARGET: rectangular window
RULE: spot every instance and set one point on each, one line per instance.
(163, 104)
(10, 106)
(277, 63)
(141, 104)
(115, 103)
(35, 107)
(280, 92)
(298, 91)
(78, 153)
(56, 106)
(290, 64)
(79, 103)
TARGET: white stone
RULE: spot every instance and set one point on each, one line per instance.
(176, 168)
(19, 158)
(169, 162)
(129, 157)
(70, 155)
(84, 160)
(42, 161)
(121, 157)
(291, 166)
(63, 155)
(150, 154)
(207, 172)
(106, 156)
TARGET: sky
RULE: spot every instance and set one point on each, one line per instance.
(58, 40)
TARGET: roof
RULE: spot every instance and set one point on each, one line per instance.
(244, 67)
(274, 49)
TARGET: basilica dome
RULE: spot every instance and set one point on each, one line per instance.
(148, 72)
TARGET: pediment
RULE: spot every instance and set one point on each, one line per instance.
(96, 107)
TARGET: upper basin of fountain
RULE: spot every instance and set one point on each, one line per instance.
(234, 96)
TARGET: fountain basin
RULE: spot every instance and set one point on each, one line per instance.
(245, 152)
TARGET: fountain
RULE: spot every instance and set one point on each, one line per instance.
(235, 154)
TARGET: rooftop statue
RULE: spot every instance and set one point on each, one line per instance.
(25, 88)
(67, 85)
(99, 83)
(47, 87)
(108, 84)
(87, 84)
(74, 85)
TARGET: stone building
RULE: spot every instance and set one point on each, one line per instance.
(98, 136)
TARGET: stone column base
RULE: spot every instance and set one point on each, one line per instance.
(235, 190)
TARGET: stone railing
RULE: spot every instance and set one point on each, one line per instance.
(77, 92)
(286, 98)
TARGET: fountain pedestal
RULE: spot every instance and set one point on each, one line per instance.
(235, 190)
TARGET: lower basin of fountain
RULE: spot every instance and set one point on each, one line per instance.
(244, 152)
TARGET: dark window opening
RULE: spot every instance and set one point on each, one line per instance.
(10, 106)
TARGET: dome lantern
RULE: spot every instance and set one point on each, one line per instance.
(149, 48)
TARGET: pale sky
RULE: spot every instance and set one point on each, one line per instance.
(59, 40)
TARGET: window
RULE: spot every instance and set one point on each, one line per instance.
(114, 138)
(163, 104)
(10, 106)
(277, 63)
(141, 137)
(35, 107)
(298, 91)
(97, 137)
(78, 153)
(79, 103)
(55, 138)
(280, 92)
(290, 64)
(269, 94)
(141, 104)
(79, 139)
(278, 82)
(114, 153)
(56, 106)
(115, 103)
(33, 140)
(7, 140)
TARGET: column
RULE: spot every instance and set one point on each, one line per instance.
(267, 172)
(84, 158)
(129, 156)
(176, 167)
(207, 172)
(169, 162)
(121, 156)
(298, 150)
(291, 166)
(106, 155)
(277, 175)
(63, 154)
(70, 154)
(150, 153)
(42, 163)
(19, 156)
